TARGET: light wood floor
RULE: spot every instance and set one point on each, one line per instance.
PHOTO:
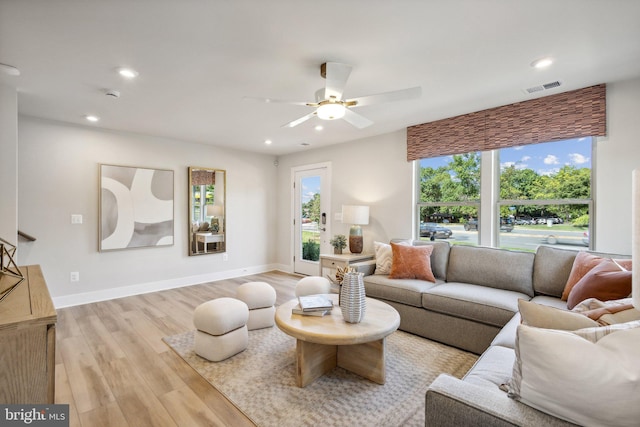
(113, 369)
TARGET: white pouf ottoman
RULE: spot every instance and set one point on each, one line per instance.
(221, 328)
(313, 285)
(260, 297)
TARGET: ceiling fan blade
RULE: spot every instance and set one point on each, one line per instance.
(296, 122)
(356, 119)
(275, 101)
(397, 95)
(336, 75)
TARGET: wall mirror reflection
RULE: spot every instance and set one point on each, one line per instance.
(207, 231)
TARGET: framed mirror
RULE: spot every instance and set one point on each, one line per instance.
(207, 213)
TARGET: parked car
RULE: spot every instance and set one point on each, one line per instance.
(553, 239)
(505, 225)
(431, 229)
(523, 221)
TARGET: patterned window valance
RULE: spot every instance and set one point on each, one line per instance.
(575, 114)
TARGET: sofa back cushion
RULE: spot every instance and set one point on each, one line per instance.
(552, 267)
(439, 257)
(551, 270)
(495, 268)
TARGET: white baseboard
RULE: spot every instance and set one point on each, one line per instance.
(144, 288)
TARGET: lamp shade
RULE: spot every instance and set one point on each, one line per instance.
(635, 236)
(214, 210)
(357, 215)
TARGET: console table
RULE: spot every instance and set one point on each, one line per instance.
(208, 237)
(27, 342)
(341, 260)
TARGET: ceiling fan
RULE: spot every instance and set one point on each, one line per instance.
(329, 104)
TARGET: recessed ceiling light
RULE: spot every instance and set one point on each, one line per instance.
(268, 141)
(305, 144)
(319, 128)
(127, 73)
(542, 62)
(92, 118)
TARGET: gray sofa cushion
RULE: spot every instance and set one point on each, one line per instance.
(551, 270)
(405, 291)
(492, 267)
(507, 335)
(478, 303)
(494, 368)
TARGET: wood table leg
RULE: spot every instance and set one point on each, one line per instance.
(366, 360)
(313, 360)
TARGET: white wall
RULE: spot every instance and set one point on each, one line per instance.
(617, 155)
(8, 163)
(372, 171)
(59, 176)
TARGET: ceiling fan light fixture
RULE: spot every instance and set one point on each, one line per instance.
(331, 111)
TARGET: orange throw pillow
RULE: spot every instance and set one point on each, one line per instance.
(411, 262)
(583, 264)
(604, 282)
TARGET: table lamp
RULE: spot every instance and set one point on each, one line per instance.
(214, 211)
(357, 216)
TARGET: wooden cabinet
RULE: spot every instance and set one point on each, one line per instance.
(27, 342)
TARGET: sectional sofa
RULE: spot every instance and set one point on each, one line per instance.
(476, 310)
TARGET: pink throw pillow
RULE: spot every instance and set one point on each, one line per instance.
(583, 263)
(604, 282)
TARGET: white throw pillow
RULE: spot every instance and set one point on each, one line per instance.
(542, 316)
(384, 256)
(584, 382)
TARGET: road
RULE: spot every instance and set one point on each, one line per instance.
(524, 239)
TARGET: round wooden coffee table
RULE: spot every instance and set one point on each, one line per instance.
(328, 341)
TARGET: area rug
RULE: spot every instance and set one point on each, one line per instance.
(260, 381)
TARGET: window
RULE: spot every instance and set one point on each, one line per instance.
(545, 190)
(449, 198)
(544, 196)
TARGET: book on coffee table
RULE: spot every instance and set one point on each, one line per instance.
(297, 310)
(315, 303)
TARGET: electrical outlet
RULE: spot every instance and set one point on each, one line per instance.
(74, 276)
(225, 256)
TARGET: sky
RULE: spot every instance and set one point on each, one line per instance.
(545, 159)
(310, 186)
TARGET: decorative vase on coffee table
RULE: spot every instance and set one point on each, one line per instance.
(353, 301)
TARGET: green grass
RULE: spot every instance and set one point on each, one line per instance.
(310, 235)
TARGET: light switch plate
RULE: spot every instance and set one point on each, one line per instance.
(76, 219)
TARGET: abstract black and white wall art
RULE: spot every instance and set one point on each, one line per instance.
(136, 207)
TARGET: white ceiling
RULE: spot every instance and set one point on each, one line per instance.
(197, 59)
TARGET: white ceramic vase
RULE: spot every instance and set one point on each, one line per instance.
(353, 301)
